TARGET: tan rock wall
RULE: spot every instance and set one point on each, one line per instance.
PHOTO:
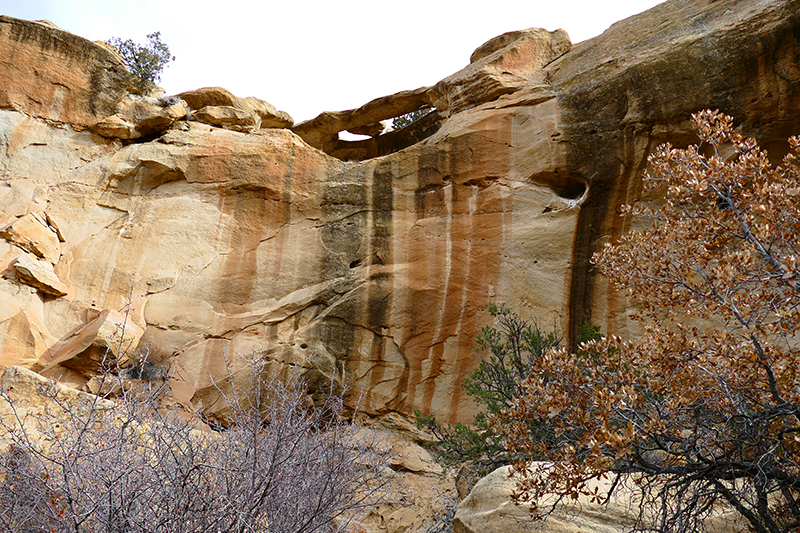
(377, 271)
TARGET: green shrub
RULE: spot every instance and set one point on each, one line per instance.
(145, 61)
(509, 354)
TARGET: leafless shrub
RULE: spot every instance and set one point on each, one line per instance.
(444, 509)
(124, 465)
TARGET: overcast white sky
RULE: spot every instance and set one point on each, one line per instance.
(305, 57)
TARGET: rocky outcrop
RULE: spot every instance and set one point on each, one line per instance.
(490, 508)
(218, 106)
(503, 65)
(323, 131)
(107, 340)
(51, 74)
(39, 275)
(370, 261)
(141, 116)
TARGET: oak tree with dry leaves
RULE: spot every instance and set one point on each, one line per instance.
(703, 410)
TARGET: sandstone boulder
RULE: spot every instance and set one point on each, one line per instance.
(33, 234)
(107, 340)
(214, 96)
(270, 117)
(410, 457)
(489, 508)
(424, 493)
(141, 116)
(227, 117)
(266, 114)
(40, 275)
(502, 65)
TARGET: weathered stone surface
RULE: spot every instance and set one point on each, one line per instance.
(503, 65)
(200, 98)
(23, 333)
(633, 87)
(110, 338)
(32, 233)
(217, 96)
(371, 130)
(141, 116)
(270, 117)
(19, 198)
(34, 152)
(52, 74)
(410, 457)
(39, 274)
(489, 508)
(423, 490)
(227, 117)
(373, 261)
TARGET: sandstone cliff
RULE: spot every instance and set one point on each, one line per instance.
(230, 229)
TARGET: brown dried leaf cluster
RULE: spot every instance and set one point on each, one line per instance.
(706, 406)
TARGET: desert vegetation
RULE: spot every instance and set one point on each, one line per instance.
(509, 351)
(701, 412)
(146, 61)
(121, 462)
(705, 407)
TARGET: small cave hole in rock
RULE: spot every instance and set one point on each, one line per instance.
(570, 188)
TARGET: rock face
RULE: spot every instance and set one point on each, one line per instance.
(49, 73)
(632, 88)
(368, 261)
